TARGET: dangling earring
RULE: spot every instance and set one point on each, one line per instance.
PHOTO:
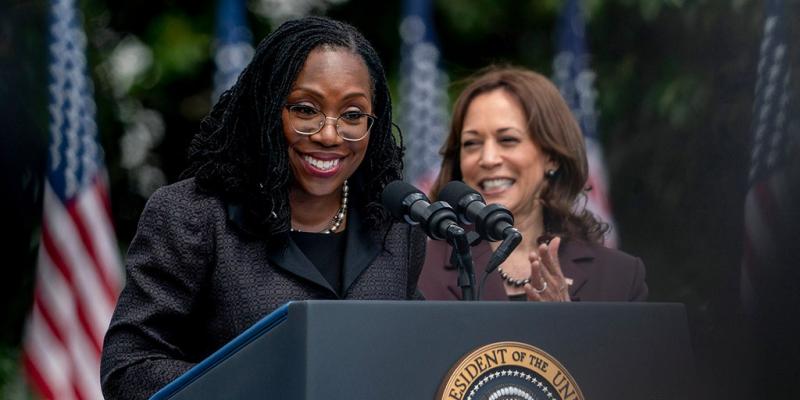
(550, 174)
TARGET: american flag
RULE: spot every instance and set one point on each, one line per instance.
(79, 273)
(575, 80)
(423, 95)
(767, 203)
(232, 48)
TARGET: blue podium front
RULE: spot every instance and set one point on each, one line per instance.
(451, 350)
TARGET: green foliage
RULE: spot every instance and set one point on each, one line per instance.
(474, 19)
(12, 386)
(680, 99)
(179, 48)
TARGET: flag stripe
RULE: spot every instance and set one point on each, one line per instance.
(78, 213)
(46, 317)
(95, 210)
(90, 250)
(57, 314)
(76, 256)
(49, 360)
(32, 369)
(55, 297)
(53, 291)
(77, 393)
(66, 273)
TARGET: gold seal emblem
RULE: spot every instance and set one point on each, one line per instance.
(509, 371)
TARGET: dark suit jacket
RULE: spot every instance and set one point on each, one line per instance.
(195, 281)
(597, 273)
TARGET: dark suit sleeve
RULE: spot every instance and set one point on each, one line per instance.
(639, 289)
(416, 259)
(166, 265)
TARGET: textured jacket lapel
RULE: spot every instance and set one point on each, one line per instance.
(293, 260)
(290, 258)
(363, 246)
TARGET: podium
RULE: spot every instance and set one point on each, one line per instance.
(405, 350)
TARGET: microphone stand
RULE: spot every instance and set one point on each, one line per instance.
(462, 258)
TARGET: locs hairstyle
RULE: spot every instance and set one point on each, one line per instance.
(552, 127)
(240, 153)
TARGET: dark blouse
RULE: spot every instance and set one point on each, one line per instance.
(326, 252)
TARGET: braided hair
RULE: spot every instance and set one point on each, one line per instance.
(240, 153)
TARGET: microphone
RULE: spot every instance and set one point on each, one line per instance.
(408, 203)
(439, 222)
(493, 222)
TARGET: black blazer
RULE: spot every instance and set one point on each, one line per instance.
(598, 273)
(195, 281)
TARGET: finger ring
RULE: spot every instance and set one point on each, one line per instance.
(538, 291)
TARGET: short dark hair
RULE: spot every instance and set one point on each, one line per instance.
(552, 127)
(240, 152)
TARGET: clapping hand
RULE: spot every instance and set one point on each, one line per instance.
(547, 281)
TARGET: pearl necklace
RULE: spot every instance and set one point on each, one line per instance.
(511, 281)
(337, 219)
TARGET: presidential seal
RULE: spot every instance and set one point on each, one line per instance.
(509, 371)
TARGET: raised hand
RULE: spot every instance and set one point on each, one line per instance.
(547, 281)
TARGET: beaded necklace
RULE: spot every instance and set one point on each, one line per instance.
(337, 219)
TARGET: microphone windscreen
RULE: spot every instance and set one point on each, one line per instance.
(454, 191)
(393, 195)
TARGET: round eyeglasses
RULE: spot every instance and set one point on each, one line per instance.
(350, 125)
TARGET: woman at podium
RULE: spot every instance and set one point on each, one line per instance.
(281, 202)
(515, 141)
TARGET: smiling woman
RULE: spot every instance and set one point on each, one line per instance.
(322, 155)
(513, 139)
(280, 203)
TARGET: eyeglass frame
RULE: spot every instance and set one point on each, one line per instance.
(370, 117)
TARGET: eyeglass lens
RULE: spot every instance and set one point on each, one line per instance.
(350, 125)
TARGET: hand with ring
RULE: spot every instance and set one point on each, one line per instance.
(547, 281)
